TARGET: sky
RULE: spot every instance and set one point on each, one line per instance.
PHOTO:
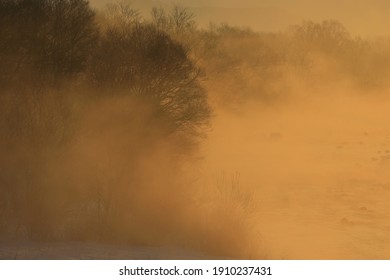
(361, 17)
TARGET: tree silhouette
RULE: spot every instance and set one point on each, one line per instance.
(176, 21)
(121, 15)
(148, 64)
(51, 37)
(328, 36)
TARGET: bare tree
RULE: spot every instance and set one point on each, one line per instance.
(160, 18)
(181, 19)
(121, 14)
(330, 36)
(46, 36)
(70, 35)
(176, 21)
(148, 64)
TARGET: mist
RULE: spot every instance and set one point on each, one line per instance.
(154, 132)
(363, 17)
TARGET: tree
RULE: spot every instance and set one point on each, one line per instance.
(51, 37)
(148, 64)
(121, 15)
(69, 37)
(160, 18)
(181, 19)
(328, 36)
(177, 21)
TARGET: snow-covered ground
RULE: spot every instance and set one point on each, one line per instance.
(92, 251)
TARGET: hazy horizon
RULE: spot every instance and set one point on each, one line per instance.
(361, 17)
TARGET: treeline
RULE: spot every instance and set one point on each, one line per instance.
(243, 65)
(267, 68)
